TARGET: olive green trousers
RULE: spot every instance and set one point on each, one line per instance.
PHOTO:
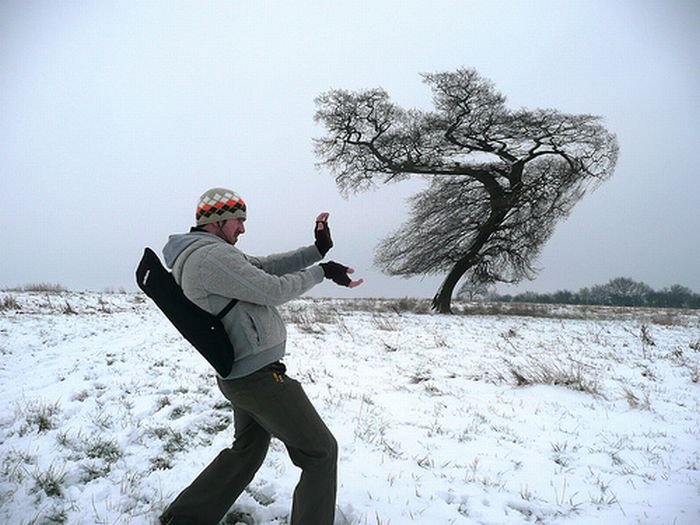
(266, 404)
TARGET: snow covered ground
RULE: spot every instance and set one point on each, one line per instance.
(588, 416)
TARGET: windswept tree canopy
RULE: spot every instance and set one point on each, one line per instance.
(499, 179)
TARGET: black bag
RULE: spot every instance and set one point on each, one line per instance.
(203, 330)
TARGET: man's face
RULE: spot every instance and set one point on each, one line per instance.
(232, 229)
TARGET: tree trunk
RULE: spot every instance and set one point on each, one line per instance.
(442, 302)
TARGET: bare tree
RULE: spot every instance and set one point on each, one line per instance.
(499, 179)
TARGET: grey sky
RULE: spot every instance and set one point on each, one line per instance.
(115, 116)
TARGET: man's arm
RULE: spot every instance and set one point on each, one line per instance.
(287, 262)
(230, 273)
(282, 263)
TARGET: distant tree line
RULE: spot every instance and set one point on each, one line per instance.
(620, 291)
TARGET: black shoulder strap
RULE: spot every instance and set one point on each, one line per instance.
(227, 309)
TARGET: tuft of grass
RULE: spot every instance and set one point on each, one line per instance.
(50, 481)
(419, 377)
(221, 422)
(91, 471)
(9, 302)
(640, 402)
(105, 449)
(68, 309)
(310, 318)
(222, 404)
(80, 396)
(57, 515)
(560, 453)
(38, 416)
(13, 466)
(570, 376)
(159, 432)
(384, 323)
(160, 463)
(179, 411)
(174, 443)
(646, 338)
(102, 419)
(103, 306)
(306, 322)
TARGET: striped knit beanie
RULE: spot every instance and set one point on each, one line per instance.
(219, 204)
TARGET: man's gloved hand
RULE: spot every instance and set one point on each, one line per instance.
(339, 274)
(322, 232)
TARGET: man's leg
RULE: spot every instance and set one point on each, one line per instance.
(207, 499)
(312, 448)
(280, 405)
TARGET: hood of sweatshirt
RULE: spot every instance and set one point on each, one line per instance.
(178, 242)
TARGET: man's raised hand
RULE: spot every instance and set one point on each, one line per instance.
(322, 232)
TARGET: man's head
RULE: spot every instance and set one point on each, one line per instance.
(221, 212)
(219, 204)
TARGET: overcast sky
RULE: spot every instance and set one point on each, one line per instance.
(115, 116)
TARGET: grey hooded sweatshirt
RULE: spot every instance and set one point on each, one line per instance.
(211, 272)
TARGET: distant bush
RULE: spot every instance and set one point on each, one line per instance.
(41, 287)
(620, 291)
(410, 305)
(402, 305)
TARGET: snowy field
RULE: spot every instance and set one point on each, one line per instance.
(581, 416)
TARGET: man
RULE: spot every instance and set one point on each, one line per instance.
(266, 402)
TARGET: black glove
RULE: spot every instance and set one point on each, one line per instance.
(323, 237)
(336, 273)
